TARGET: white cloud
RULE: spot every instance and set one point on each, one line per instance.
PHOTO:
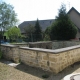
(42, 9)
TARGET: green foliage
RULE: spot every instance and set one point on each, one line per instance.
(29, 29)
(47, 34)
(14, 33)
(6, 34)
(63, 28)
(46, 37)
(29, 32)
(38, 32)
(8, 17)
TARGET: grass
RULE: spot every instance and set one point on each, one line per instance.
(20, 72)
(25, 72)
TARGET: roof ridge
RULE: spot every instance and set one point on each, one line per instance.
(39, 20)
(73, 9)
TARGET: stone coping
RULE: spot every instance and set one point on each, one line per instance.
(64, 41)
(18, 43)
(45, 50)
(9, 45)
(52, 51)
(40, 42)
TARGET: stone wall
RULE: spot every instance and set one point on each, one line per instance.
(20, 44)
(63, 44)
(47, 59)
(53, 45)
(44, 44)
(50, 60)
(10, 52)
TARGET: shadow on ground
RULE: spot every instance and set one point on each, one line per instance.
(32, 70)
(39, 72)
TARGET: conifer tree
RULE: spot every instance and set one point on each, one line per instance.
(37, 32)
(63, 28)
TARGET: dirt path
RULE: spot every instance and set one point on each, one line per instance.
(24, 72)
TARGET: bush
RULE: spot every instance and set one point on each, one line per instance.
(47, 34)
(46, 38)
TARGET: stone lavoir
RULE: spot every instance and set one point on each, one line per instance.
(47, 59)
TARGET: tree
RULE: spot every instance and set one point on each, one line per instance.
(8, 17)
(63, 28)
(47, 34)
(29, 32)
(14, 33)
(38, 31)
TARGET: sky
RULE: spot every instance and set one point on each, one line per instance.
(28, 10)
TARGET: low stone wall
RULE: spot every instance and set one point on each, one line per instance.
(20, 44)
(63, 44)
(53, 45)
(10, 52)
(47, 59)
(44, 44)
(50, 60)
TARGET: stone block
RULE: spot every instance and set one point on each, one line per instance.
(45, 57)
(53, 59)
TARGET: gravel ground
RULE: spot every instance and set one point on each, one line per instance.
(25, 72)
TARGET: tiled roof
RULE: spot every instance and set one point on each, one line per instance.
(43, 23)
